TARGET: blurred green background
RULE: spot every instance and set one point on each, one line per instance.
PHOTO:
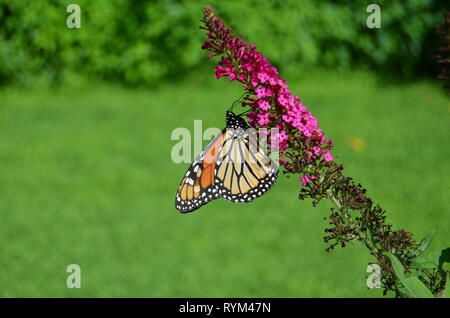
(86, 117)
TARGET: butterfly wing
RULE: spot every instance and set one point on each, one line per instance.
(198, 185)
(244, 172)
(232, 166)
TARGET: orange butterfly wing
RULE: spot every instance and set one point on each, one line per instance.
(232, 167)
(198, 185)
(209, 162)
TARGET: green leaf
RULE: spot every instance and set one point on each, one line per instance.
(423, 245)
(397, 265)
(409, 286)
(444, 259)
(447, 287)
(432, 259)
(429, 259)
(422, 264)
(416, 288)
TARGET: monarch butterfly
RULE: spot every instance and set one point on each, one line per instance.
(232, 167)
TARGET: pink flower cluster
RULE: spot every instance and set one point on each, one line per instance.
(306, 179)
(271, 102)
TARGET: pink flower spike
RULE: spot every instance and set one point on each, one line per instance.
(263, 119)
(260, 92)
(305, 179)
(327, 156)
(263, 77)
(316, 150)
(263, 104)
(273, 104)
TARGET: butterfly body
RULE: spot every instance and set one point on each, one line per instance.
(232, 167)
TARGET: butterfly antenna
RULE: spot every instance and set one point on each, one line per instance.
(237, 101)
(245, 112)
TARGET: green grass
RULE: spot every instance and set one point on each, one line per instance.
(86, 177)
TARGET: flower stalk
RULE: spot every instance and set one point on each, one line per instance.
(306, 152)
